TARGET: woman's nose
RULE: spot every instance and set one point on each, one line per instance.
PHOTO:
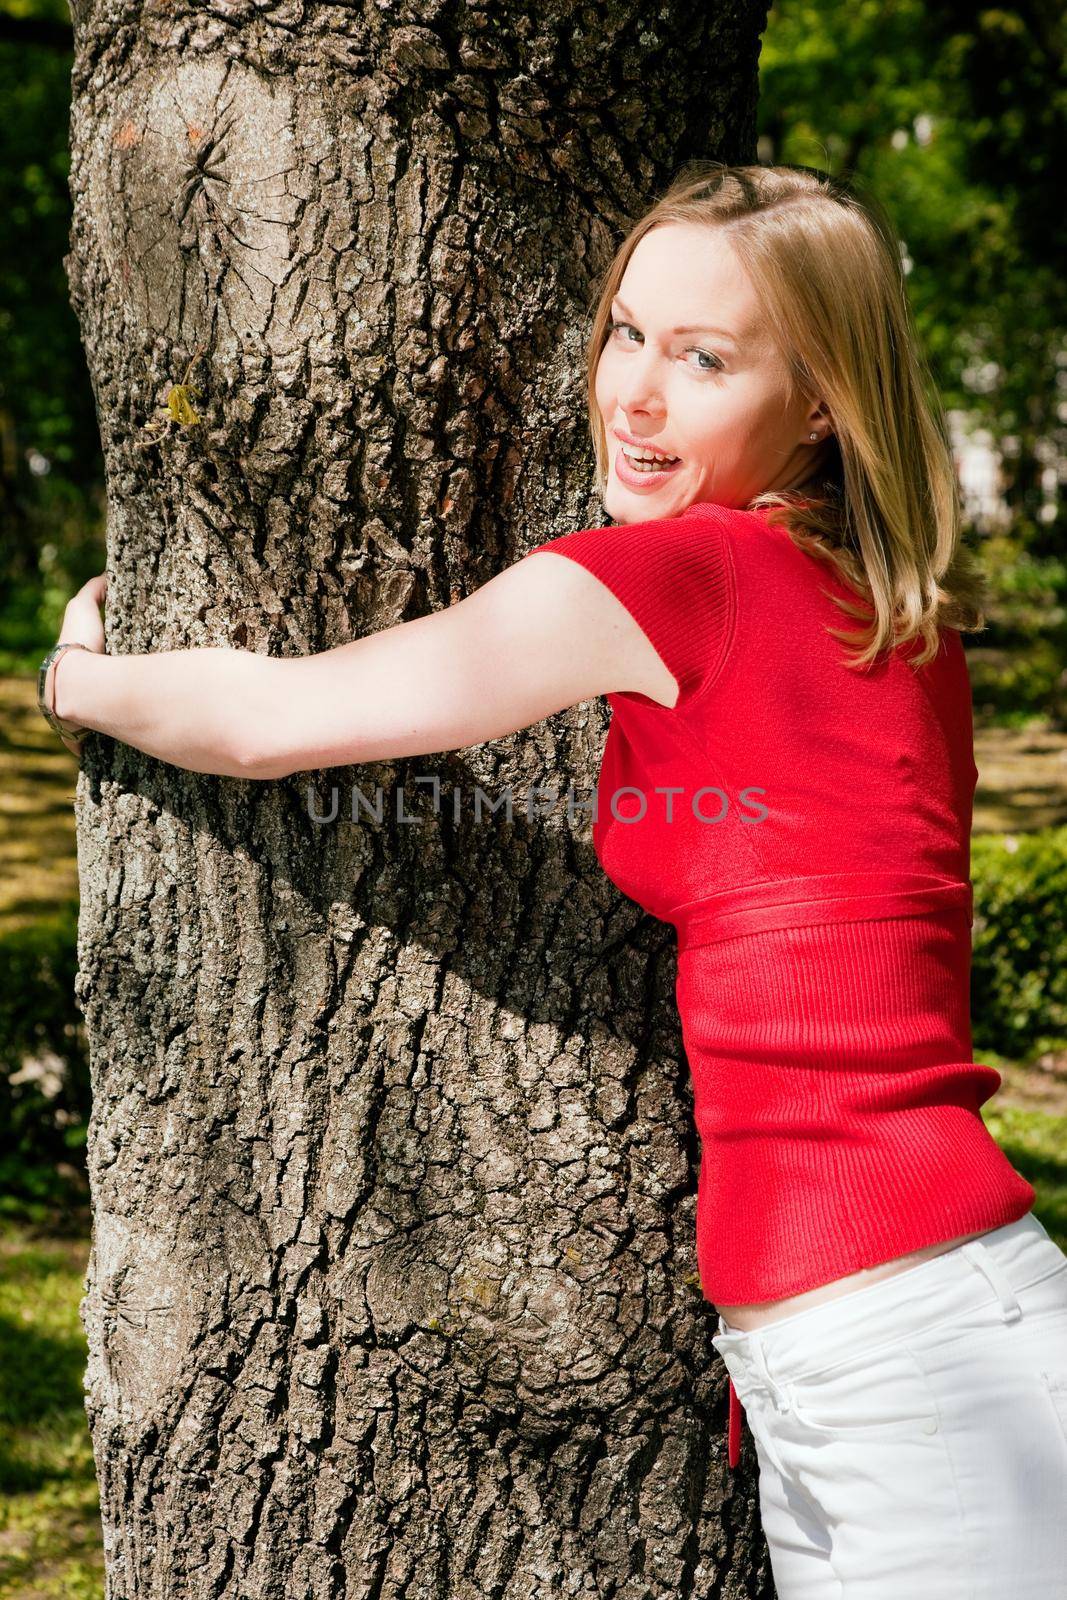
(642, 419)
(639, 388)
(638, 397)
(641, 395)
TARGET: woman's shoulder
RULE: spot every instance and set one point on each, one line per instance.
(715, 511)
(735, 522)
(746, 534)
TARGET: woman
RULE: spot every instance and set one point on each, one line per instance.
(892, 1314)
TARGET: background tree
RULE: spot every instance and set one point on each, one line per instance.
(957, 118)
(49, 443)
(392, 1286)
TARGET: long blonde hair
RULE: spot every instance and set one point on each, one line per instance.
(883, 505)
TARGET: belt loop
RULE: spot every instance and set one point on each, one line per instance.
(781, 1401)
(980, 1256)
(778, 1394)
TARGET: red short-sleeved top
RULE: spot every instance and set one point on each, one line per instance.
(806, 829)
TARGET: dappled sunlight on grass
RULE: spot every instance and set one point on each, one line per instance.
(50, 1537)
(38, 776)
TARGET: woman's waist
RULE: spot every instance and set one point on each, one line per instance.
(768, 1113)
(995, 1265)
(744, 1318)
(878, 995)
(817, 898)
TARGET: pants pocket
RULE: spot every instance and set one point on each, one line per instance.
(885, 1396)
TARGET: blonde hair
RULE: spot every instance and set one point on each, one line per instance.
(883, 503)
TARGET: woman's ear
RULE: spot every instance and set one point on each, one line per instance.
(818, 424)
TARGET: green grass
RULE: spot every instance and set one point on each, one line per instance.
(50, 1539)
(1036, 1145)
(38, 778)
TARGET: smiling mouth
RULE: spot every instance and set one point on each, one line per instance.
(644, 468)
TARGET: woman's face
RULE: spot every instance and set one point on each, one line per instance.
(690, 370)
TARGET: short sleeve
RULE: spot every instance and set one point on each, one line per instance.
(675, 576)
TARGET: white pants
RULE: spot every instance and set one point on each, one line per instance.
(912, 1435)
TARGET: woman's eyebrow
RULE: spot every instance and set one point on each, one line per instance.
(700, 327)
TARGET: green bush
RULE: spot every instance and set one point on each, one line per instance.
(1019, 973)
(42, 1134)
(64, 529)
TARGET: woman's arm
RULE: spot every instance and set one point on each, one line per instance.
(183, 706)
(541, 636)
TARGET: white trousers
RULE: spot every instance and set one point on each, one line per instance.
(912, 1435)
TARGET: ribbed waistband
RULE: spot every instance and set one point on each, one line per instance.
(995, 1266)
(817, 898)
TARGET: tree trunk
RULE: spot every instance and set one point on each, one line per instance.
(392, 1287)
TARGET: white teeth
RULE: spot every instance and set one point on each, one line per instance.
(645, 455)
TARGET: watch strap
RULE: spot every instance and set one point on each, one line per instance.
(60, 727)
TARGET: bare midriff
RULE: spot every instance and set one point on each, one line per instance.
(759, 1315)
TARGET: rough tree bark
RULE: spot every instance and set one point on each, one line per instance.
(392, 1287)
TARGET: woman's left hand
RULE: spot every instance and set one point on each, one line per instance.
(82, 624)
(82, 620)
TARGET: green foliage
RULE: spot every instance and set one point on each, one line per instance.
(953, 116)
(1036, 1145)
(64, 531)
(42, 1136)
(1018, 666)
(1019, 970)
(43, 379)
(50, 464)
(44, 384)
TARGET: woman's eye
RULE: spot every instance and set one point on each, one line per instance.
(716, 364)
(614, 327)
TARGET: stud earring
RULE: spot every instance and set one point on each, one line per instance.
(813, 436)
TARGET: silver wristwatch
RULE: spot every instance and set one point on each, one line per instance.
(48, 711)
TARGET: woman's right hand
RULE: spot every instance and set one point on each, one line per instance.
(82, 624)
